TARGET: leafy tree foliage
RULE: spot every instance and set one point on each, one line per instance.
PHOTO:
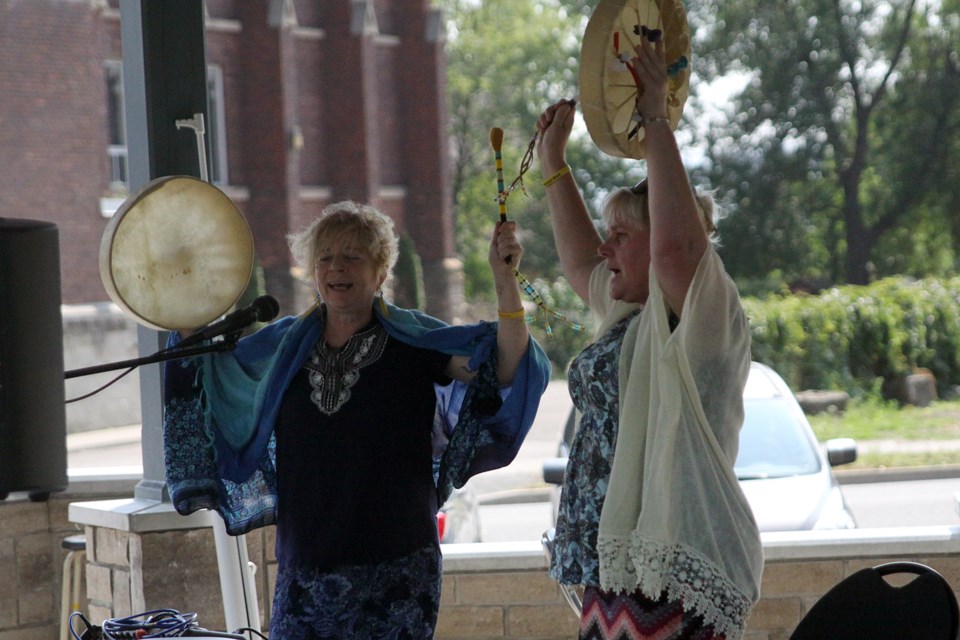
(840, 152)
(507, 61)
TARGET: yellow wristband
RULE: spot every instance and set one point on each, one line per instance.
(512, 315)
(559, 174)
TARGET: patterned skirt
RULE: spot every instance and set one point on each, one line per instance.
(633, 616)
(395, 600)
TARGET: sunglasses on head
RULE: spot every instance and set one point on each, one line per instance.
(640, 188)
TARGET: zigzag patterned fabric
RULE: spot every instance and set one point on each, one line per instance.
(622, 616)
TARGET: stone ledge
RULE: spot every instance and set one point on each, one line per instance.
(103, 480)
(135, 515)
(479, 557)
(861, 543)
(780, 546)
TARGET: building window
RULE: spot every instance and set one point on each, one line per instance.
(216, 138)
(116, 129)
(117, 140)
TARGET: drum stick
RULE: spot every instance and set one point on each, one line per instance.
(496, 141)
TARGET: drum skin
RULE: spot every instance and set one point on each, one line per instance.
(607, 89)
(176, 255)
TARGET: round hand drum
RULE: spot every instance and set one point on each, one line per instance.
(608, 92)
(177, 254)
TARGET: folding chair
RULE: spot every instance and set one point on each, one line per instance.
(865, 606)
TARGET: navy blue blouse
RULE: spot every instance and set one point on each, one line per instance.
(354, 459)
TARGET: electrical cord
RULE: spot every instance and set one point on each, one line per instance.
(159, 623)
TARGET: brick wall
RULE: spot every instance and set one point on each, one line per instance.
(344, 93)
(53, 130)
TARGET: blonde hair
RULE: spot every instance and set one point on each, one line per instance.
(360, 225)
(628, 205)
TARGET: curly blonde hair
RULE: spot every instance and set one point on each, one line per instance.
(359, 225)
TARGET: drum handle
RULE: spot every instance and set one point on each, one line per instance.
(196, 123)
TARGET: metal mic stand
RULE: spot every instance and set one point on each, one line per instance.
(229, 343)
(234, 566)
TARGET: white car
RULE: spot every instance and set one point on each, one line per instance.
(785, 473)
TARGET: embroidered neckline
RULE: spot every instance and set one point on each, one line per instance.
(333, 374)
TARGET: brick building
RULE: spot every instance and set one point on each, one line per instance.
(309, 103)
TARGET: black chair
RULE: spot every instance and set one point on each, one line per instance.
(865, 606)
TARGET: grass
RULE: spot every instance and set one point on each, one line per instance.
(890, 460)
(868, 420)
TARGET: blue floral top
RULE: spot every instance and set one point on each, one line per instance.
(594, 387)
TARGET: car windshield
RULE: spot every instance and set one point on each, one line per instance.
(773, 442)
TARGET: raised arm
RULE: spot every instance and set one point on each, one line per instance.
(512, 336)
(677, 236)
(576, 238)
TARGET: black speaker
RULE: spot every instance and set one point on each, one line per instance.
(33, 438)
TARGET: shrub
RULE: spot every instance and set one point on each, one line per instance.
(853, 337)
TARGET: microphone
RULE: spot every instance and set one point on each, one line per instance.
(263, 309)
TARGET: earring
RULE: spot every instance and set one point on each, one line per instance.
(383, 304)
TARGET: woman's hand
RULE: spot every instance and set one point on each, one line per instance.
(650, 67)
(554, 127)
(505, 250)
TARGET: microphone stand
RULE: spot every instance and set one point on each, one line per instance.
(233, 564)
(229, 343)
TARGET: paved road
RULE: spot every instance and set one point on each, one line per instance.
(916, 503)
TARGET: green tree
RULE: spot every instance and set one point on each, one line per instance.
(840, 152)
(506, 61)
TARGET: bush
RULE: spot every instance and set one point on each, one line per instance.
(854, 337)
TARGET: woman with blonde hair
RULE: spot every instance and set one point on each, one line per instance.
(652, 521)
(348, 426)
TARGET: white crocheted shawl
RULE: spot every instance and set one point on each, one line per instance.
(674, 518)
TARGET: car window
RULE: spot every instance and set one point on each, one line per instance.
(774, 442)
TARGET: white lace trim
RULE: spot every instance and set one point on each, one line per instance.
(654, 566)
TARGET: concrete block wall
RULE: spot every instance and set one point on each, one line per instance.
(526, 604)
(31, 562)
(509, 604)
(791, 588)
(129, 573)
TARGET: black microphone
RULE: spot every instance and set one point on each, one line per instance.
(263, 309)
